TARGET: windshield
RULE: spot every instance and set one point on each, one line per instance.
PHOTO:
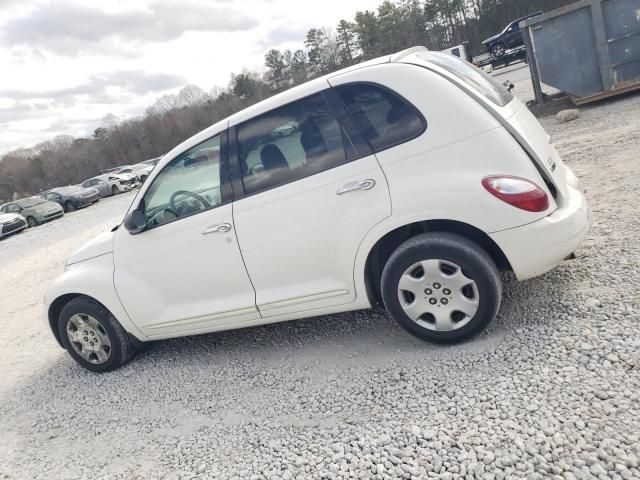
(30, 202)
(471, 75)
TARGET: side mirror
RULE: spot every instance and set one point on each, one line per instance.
(135, 222)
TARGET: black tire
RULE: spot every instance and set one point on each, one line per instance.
(115, 190)
(122, 346)
(69, 206)
(475, 263)
(143, 179)
(32, 222)
(498, 50)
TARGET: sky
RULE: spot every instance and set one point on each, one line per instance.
(65, 64)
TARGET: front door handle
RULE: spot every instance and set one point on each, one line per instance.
(367, 184)
(220, 228)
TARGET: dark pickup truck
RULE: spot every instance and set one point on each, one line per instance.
(509, 38)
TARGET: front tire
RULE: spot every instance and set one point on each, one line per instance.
(93, 337)
(441, 287)
(69, 207)
(115, 190)
(32, 222)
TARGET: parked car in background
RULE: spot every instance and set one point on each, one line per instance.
(109, 184)
(298, 222)
(127, 175)
(110, 170)
(142, 170)
(35, 210)
(510, 37)
(72, 197)
(11, 223)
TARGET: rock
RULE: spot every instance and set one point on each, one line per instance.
(564, 116)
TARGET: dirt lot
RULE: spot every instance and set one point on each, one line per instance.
(552, 390)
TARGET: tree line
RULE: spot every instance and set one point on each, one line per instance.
(392, 26)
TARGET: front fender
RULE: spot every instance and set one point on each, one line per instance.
(93, 278)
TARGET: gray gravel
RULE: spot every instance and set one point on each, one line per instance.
(551, 391)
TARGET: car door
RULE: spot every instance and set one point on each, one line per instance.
(101, 185)
(513, 36)
(311, 190)
(183, 273)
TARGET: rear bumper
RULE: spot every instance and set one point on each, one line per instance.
(537, 247)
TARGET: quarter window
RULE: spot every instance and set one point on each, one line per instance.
(384, 118)
(189, 184)
(291, 142)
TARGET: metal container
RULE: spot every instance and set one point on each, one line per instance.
(589, 49)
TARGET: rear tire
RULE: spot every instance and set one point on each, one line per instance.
(498, 50)
(32, 222)
(441, 287)
(93, 337)
(114, 190)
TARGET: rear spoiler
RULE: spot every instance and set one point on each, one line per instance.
(396, 57)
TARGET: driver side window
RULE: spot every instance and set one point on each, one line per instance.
(190, 184)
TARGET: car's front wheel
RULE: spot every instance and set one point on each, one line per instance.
(32, 222)
(93, 337)
(69, 206)
(441, 287)
(114, 190)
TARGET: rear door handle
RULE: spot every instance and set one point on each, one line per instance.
(220, 228)
(367, 184)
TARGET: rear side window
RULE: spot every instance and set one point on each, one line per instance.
(384, 118)
(299, 139)
(470, 75)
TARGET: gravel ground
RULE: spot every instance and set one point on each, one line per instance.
(552, 390)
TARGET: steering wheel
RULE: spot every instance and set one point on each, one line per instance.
(257, 168)
(198, 197)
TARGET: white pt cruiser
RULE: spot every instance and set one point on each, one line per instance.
(409, 180)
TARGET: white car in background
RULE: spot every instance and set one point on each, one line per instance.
(410, 181)
(11, 223)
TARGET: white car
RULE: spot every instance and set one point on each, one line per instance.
(11, 223)
(127, 176)
(410, 180)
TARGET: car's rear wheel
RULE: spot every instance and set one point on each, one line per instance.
(32, 222)
(441, 287)
(69, 206)
(498, 50)
(93, 337)
(115, 190)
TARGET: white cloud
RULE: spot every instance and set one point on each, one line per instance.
(65, 64)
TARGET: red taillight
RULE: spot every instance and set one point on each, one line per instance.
(516, 191)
